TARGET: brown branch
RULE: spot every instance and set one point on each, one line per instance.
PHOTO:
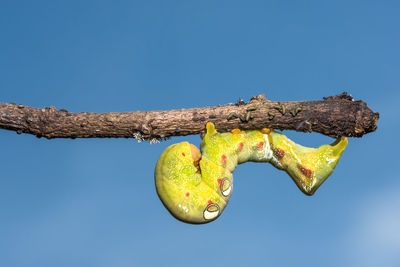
(334, 116)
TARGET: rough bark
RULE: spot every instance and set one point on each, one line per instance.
(334, 116)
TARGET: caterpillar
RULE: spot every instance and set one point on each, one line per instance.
(195, 186)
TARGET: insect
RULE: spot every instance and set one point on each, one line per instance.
(281, 108)
(295, 111)
(251, 108)
(271, 115)
(247, 117)
(196, 186)
(232, 116)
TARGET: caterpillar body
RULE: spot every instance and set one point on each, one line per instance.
(196, 186)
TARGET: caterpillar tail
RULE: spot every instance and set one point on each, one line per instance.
(308, 167)
(196, 186)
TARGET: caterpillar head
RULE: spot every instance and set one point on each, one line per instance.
(183, 188)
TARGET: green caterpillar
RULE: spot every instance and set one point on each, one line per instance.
(195, 187)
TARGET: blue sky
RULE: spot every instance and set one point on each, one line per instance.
(93, 202)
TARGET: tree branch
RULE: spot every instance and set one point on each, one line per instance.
(334, 116)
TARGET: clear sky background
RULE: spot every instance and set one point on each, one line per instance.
(93, 202)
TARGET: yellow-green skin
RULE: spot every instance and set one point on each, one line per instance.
(195, 187)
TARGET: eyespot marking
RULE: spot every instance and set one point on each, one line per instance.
(211, 212)
(226, 187)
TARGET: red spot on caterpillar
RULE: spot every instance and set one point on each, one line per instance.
(240, 146)
(219, 181)
(307, 172)
(223, 159)
(279, 153)
(260, 145)
(187, 194)
(183, 154)
(209, 202)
